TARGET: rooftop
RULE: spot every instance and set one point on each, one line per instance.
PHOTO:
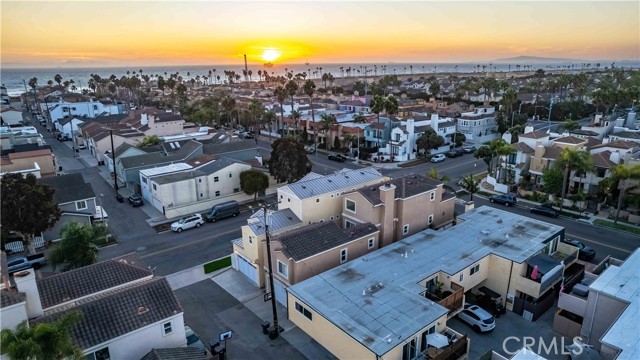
(342, 180)
(406, 187)
(165, 169)
(68, 188)
(179, 353)
(280, 219)
(537, 134)
(368, 298)
(569, 140)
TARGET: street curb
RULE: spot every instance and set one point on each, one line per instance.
(616, 230)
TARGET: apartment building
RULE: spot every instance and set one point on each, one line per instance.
(389, 301)
(400, 208)
(480, 125)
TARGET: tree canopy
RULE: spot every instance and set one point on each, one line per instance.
(288, 161)
(253, 182)
(552, 179)
(429, 140)
(470, 185)
(78, 247)
(149, 140)
(28, 208)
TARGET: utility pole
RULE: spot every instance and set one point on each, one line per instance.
(549, 119)
(113, 160)
(267, 223)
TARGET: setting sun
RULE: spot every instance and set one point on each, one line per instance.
(270, 54)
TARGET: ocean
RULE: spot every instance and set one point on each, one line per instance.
(15, 80)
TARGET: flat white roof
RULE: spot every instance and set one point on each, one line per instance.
(165, 169)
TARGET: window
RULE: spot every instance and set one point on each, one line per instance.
(423, 343)
(302, 310)
(432, 195)
(201, 195)
(250, 239)
(236, 190)
(405, 229)
(317, 200)
(461, 277)
(217, 193)
(350, 205)
(409, 350)
(281, 197)
(102, 354)
(154, 187)
(474, 269)
(166, 328)
(216, 179)
(348, 224)
(343, 256)
(81, 205)
(199, 180)
(283, 269)
(230, 175)
(288, 199)
(144, 180)
(332, 218)
(371, 243)
(430, 219)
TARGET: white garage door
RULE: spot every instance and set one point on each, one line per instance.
(246, 268)
(281, 293)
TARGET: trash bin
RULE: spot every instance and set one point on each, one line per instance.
(265, 327)
(273, 334)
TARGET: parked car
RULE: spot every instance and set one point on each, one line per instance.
(135, 200)
(309, 149)
(505, 199)
(546, 210)
(26, 262)
(194, 341)
(454, 153)
(248, 135)
(478, 318)
(63, 137)
(337, 157)
(584, 252)
(187, 222)
(222, 211)
(469, 149)
(81, 146)
(437, 158)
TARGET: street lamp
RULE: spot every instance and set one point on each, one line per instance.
(267, 223)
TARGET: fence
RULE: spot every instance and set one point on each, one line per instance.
(18, 247)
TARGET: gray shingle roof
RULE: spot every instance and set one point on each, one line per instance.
(537, 134)
(179, 353)
(8, 298)
(406, 187)
(313, 239)
(158, 158)
(234, 146)
(179, 176)
(280, 219)
(69, 188)
(343, 180)
(63, 287)
(121, 312)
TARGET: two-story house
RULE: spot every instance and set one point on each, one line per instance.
(312, 249)
(479, 126)
(126, 312)
(378, 133)
(40, 162)
(317, 198)
(400, 208)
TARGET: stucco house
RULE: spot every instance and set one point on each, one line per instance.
(479, 126)
(40, 162)
(88, 109)
(10, 116)
(68, 125)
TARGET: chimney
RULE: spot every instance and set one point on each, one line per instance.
(387, 195)
(539, 151)
(528, 129)
(631, 119)
(26, 283)
(144, 119)
(259, 158)
(434, 122)
(485, 105)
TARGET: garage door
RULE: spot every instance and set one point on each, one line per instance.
(246, 268)
(281, 293)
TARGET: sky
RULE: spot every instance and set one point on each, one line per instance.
(154, 33)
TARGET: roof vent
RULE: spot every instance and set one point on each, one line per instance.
(347, 176)
(142, 310)
(304, 187)
(499, 221)
(330, 180)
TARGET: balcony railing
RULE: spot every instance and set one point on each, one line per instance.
(451, 299)
(457, 349)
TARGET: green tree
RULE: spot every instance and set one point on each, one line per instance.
(289, 162)
(552, 181)
(429, 141)
(292, 89)
(253, 182)
(149, 140)
(568, 161)
(269, 118)
(470, 185)
(624, 173)
(570, 125)
(255, 109)
(503, 150)
(28, 208)
(433, 173)
(458, 139)
(42, 341)
(327, 120)
(228, 103)
(281, 95)
(434, 89)
(387, 104)
(486, 154)
(78, 247)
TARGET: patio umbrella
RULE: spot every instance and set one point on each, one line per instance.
(534, 273)
(580, 351)
(437, 340)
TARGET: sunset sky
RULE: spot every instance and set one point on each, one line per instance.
(146, 33)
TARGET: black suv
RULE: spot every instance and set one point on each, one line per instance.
(135, 200)
(337, 157)
(585, 252)
(454, 153)
(506, 200)
(545, 209)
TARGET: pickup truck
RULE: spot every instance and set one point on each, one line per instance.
(26, 262)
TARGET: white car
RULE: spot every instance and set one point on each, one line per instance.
(438, 158)
(187, 222)
(194, 341)
(82, 146)
(478, 318)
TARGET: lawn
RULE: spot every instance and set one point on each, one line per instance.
(217, 264)
(621, 227)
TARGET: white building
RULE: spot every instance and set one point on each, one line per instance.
(404, 137)
(89, 109)
(479, 126)
(147, 174)
(68, 126)
(11, 116)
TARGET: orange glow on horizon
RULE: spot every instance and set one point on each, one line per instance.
(270, 55)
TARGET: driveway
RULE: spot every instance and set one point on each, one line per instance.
(210, 310)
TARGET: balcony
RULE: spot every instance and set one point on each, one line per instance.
(452, 298)
(458, 347)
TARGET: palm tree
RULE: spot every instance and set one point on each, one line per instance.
(433, 173)
(295, 115)
(292, 89)
(309, 88)
(504, 149)
(46, 340)
(281, 95)
(623, 173)
(255, 109)
(228, 103)
(509, 98)
(377, 106)
(470, 185)
(268, 118)
(569, 160)
(327, 120)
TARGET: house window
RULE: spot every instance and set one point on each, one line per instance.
(281, 197)
(302, 310)
(317, 200)
(288, 199)
(236, 190)
(217, 193)
(343, 256)
(430, 219)
(216, 179)
(81, 205)
(201, 195)
(371, 243)
(250, 239)
(409, 350)
(474, 269)
(332, 218)
(154, 187)
(348, 224)
(166, 328)
(350, 205)
(432, 195)
(461, 277)
(423, 343)
(102, 354)
(230, 175)
(283, 269)
(144, 180)
(199, 180)
(405, 229)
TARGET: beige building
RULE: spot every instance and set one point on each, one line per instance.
(299, 254)
(400, 208)
(385, 305)
(317, 198)
(41, 163)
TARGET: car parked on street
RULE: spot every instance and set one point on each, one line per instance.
(222, 211)
(478, 318)
(135, 200)
(309, 149)
(20, 263)
(81, 146)
(438, 158)
(454, 153)
(584, 252)
(469, 149)
(337, 157)
(187, 222)
(504, 199)
(194, 341)
(546, 210)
